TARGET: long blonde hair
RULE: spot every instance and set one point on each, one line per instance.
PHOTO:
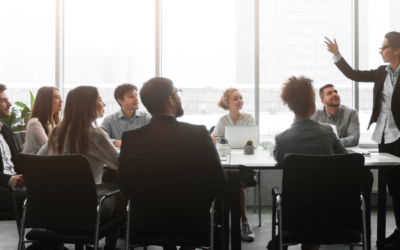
(223, 102)
(79, 114)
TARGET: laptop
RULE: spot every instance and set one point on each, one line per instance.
(240, 134)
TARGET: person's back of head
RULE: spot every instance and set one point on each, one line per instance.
(159, 96)
(79, 114)
(299, 95)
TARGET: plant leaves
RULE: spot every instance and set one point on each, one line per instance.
(6, 121)
(20, 104)
(32, 99)
(14, 129)
(24, 111)
(18, 121)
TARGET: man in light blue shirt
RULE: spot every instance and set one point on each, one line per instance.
(128, 118)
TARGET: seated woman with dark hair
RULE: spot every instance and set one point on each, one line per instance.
(78, 133)
(44, 117)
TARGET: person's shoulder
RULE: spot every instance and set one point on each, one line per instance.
(6, 127)
(34, 120)
(319, 112)
(347, 108)
(97, 133)
(247, 115)
(110, 117)
(143, 113)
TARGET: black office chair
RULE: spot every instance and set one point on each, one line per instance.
(23, 136)
(62, 204)
(321, 201)
(18, 139)
(211, 130)
(169, 201)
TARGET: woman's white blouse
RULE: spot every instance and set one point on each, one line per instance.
(35, 136)
(101, 152)
(244, 119)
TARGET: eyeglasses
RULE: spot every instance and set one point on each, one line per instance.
(178, 92)
(383, 48)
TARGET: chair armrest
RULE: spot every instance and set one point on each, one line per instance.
(109, 194)
(276, 191)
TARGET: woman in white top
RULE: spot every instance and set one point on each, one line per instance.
(78, 133)
(45, 115)
(232, 100)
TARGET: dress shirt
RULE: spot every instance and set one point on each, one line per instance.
(346, 122)
(101, 152)
(307, 137)
(385, 125)
(35, 136)
(116, 124)
(244, 119)
(6, 155)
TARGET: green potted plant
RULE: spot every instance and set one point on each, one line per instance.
(249, 148)
(223, 146)
(19, 115)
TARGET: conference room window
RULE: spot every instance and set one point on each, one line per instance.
(108, 43)
(292, 44)
(208, 46)
(376, 19)
(27, 51)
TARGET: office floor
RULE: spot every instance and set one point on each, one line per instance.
(9, 235)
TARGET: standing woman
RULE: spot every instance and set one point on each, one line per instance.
(232, 100)
(76, 134)
(385, 112)
(44, 117)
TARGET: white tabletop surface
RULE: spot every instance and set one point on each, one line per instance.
(262, 157)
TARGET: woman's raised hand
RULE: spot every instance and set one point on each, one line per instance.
(332, 47)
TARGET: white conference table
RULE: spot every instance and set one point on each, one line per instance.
(262, 160)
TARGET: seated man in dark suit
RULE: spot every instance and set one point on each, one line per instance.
(304, 136)
(9, 177)
(164, 136)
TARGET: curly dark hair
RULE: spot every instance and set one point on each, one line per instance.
(299, 95)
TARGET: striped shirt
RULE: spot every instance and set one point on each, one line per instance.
(244, 119)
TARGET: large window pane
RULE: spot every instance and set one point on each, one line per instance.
(376, 19)
(292, 44)
(27, 51)
(208, 46)
(108, 43)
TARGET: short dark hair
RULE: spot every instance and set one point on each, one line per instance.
(321, 90)
(298, 94)
(154, 94)
(393, 39)
(122, 89)
(2, 88)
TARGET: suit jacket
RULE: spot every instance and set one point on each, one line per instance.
(165, 136)
(378, 76)
(307, 137)
(9, 137)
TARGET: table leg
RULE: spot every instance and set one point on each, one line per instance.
(234, 186)
(225, 220)
(259, 197)
(381, 227)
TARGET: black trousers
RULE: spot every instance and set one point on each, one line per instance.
(6, 202)
(393, 177)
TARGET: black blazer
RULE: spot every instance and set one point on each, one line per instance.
(377, 76)
(9, 137)
(165, 136)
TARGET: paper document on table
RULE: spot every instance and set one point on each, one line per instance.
(334, 130)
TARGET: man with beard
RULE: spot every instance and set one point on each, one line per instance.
(164, 136)
(9, 176)
(344, 118)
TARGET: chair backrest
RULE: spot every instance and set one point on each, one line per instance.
(23, 135)
(212, 130)
(61, 192)
(322, 193)
(169, 194)
(18, 139)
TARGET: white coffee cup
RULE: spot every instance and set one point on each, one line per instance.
(271, 149)
(265, 144)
